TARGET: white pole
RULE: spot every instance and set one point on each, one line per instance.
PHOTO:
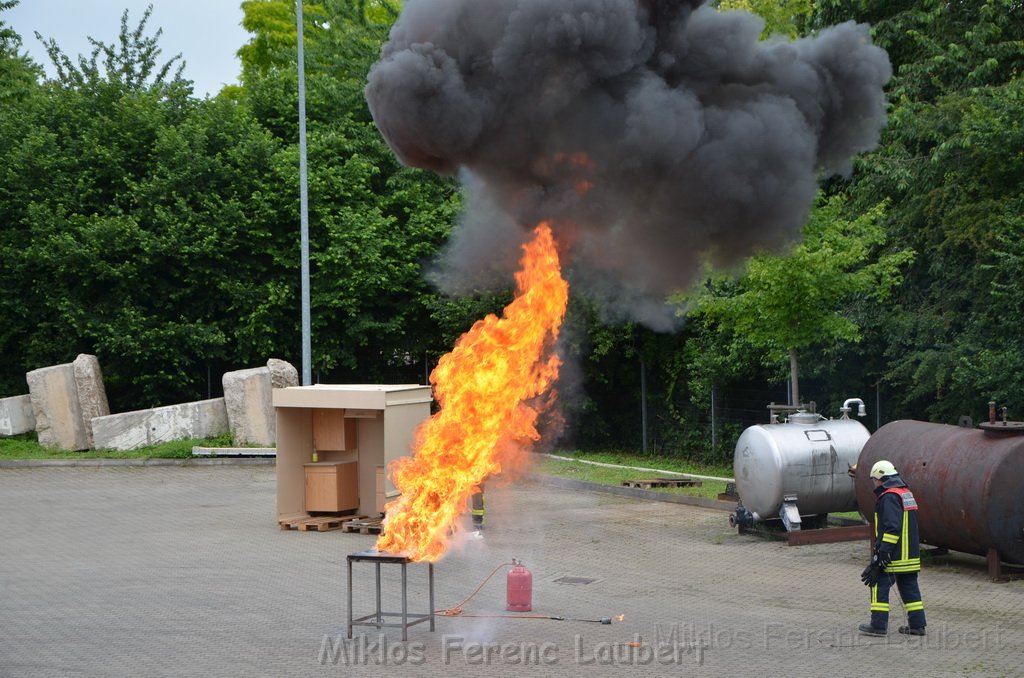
(307, 369)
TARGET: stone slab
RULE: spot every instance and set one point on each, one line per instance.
(65, 398)
(247, 399)
(16, 415)
(282, 373)
(200, 451)
(56, 408)
(250, 408)
(92, 396)
(131, 430)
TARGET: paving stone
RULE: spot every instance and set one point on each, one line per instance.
(182, 571)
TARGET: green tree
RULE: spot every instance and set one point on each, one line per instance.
(18, 73)
(783, 305)
(273, 26)
(946, 356)
(275, 30)
(132, 63)
(781, 17)
(949, 166)
(134, 225)
(161, 232)
(374, 225)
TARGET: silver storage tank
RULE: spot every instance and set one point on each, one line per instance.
(797, 468)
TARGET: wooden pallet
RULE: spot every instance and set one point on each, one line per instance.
(316, 523)
(648, 483)
(365, 526)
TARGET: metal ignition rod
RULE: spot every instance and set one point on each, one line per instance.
(602, 620)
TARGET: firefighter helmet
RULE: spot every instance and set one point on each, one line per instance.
(882, 469)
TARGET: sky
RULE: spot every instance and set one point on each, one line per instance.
(207, 33)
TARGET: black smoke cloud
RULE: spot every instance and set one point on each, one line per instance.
(654, 135)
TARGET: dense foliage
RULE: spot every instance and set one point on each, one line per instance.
(160, 232)
(952, 166)
(785, 305)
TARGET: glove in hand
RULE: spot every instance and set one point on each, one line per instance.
(871, 573)
(874, 569)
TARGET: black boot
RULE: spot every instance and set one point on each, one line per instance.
(869, 630)
(911, 631)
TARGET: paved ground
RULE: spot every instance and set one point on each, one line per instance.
(165, 571)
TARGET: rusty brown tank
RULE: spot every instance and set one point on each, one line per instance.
(968, 482)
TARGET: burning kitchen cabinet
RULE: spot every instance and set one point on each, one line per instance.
(331, 439)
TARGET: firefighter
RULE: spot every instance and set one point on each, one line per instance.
(896, 555)
(477, 509)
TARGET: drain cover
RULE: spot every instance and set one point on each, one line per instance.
(574, 580)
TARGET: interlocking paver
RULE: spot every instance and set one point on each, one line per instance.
(170, 571)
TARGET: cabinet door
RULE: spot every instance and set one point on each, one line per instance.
(321, 490)
(332, 431)
(332, 486)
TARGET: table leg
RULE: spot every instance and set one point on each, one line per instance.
(379, 618)
(430, 586)
(405, 613)
(350, 599)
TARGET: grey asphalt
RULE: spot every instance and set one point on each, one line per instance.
(182, 571)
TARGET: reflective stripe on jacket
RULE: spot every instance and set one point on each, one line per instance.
(896, 532)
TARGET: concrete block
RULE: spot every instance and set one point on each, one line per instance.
(131, 430)
(250, 407)
(56, 409)
(248, 402)
(92, 396)
(65, 398)
(16, 415)
(282, 373)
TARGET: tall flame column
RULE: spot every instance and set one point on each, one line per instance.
(491, 387)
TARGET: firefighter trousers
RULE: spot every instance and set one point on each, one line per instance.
(910, 592)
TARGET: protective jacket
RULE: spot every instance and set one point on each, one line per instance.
(896, 533)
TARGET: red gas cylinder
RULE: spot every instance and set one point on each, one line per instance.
(520, 588)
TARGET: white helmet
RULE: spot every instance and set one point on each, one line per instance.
(882, 469)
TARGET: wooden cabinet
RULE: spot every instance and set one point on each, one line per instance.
(365, 423)
(332, 486)
(332, 430)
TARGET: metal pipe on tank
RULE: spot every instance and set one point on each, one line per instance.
(845, 409)
(967, 483)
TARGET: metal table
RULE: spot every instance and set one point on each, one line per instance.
(378, 616)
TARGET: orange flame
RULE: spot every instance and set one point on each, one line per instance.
(491, 388)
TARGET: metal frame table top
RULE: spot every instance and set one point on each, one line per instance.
(377, 617)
